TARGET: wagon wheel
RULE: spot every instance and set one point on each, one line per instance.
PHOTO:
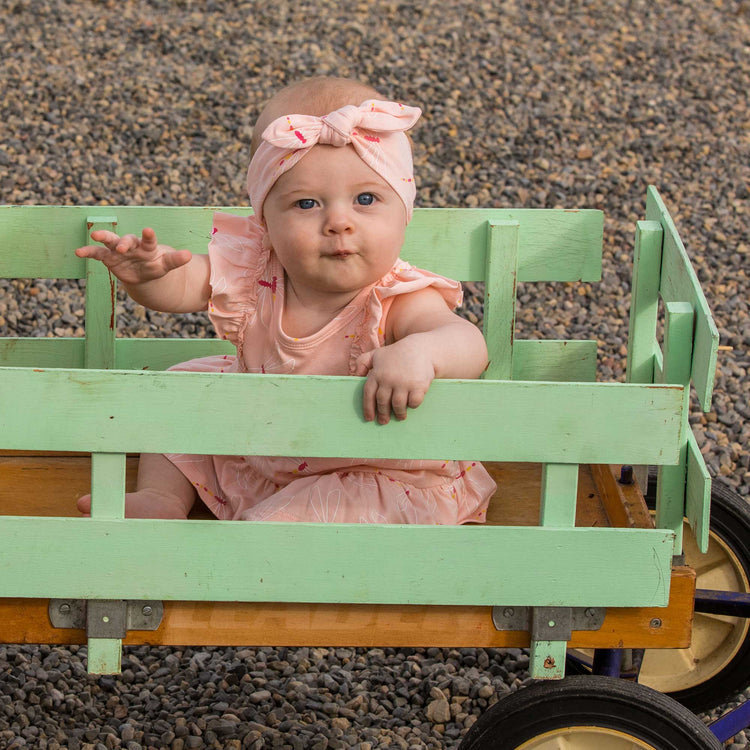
(588, 713)
(717, 664)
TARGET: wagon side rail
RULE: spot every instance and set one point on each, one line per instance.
(664, 279)
(112, 558)
(111, 413)
(466, 244)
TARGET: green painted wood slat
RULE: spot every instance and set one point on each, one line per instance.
(558, 510)
(42, 352)
(538, 359)
(101, 291)
(108, 485)
(499, 321)
(644, 302)
(308, 562)
(104, 411)
(678, 345)
(554, 244)
(679, 283)
(697, 494)
(559, 493)
(108, 493)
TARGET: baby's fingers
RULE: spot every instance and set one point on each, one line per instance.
(416, 397)
(384, 404)
(399, 401)
(402, 400)
(148, 239)
(97, 252)
(368, 399)
(107, 238)
(176, 259)
(377, 401)
(129, 242)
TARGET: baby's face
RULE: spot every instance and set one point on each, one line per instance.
(335, 224)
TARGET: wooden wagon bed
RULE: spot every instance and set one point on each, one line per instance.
(49, 484)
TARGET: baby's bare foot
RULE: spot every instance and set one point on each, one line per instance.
(144, 504)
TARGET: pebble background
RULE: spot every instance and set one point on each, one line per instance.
(527, 103)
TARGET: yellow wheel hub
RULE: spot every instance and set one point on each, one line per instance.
(585, 738)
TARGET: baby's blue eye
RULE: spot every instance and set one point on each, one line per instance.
(306, 203)
(365, 199)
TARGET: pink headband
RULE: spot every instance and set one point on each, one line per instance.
(375, 129)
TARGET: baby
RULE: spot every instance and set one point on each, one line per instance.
(312, 283)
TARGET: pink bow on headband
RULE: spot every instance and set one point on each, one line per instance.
(375, 129)
(339, 127)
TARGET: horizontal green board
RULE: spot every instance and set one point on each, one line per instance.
(532, 360)
(554, 244)
(42, 352)
(679, 283)
(554, 360)
(239, 561)
(160, 354)
(130, 354)
(128, 411)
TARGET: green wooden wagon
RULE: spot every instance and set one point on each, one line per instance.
(571, 562)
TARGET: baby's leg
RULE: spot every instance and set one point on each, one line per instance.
(162, 491)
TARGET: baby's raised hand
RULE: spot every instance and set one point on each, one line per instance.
(398, 377)
(132, 259)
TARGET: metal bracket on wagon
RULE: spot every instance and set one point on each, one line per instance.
(548, 623)
(105, 618)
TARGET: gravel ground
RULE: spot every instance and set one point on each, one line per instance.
(536, 104)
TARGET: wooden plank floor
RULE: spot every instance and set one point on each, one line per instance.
(49, 484)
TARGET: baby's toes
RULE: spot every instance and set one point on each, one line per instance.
(84, 504)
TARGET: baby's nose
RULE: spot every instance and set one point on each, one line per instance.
(339, 220)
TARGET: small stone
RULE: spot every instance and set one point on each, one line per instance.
(438, 711)
(486, 691)
(259, 696)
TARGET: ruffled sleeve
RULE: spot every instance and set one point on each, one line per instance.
(238, 259)
(403, 278)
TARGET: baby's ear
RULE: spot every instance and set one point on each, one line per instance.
(266, 241)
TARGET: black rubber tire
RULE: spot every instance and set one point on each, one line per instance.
(593, 701)
(730, 522)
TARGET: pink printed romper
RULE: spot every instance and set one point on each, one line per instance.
(247, 283)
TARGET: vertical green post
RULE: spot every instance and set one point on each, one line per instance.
(644, 309)
(559, 494)
(678, 356)
(644, 302)
(501, 273)
(101, 291)
(107, 470)
(558, 509)
(107, 501)
(108, 485)
(104, 656)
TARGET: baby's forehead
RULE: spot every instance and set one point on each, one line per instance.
(322, 162)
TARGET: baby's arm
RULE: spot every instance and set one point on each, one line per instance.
(156, 276)
(424, 341)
